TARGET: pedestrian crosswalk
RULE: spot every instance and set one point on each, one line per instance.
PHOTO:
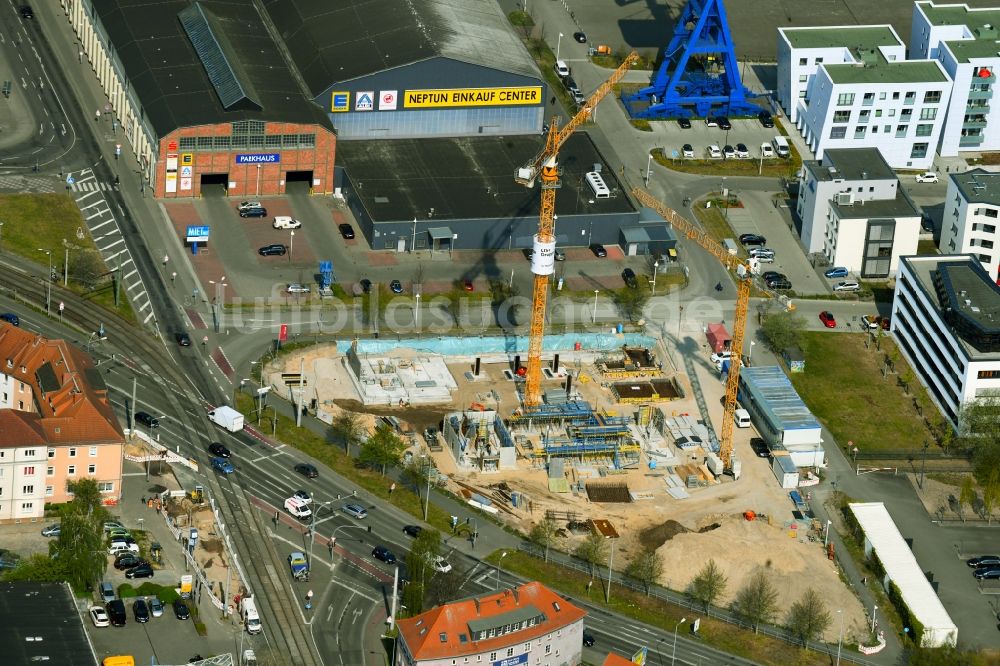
(107, 236)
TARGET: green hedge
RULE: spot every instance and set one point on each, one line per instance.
(125, 590)
(916, 629)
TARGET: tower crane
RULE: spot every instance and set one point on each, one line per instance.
(545, 165)
(744, 278)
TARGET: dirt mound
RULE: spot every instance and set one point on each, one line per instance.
(418, 417)
(655, 537)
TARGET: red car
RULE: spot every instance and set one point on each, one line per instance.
(827, 319)
(468, 285)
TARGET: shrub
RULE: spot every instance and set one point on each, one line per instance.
(125, 590)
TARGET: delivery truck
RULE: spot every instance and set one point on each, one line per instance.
(227, 417)
(248, 611)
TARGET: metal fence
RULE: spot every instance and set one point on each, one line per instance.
(677, 599)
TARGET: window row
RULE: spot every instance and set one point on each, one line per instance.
(840, 132)
(868, 98)
(864, 115)
(277, 141)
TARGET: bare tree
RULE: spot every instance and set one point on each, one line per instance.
(708, 585)
(757, 601)
(593, 551)
(544, 535)
(646, 567)
(808, 617)
(347, 428)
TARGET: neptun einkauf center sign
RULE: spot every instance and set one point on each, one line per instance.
(258, 158)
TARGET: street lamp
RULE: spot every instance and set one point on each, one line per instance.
(502, 555)
(291, 244)
(317, 507)
(48, 282)
(840, 639)
(596, 292)
(673, 652)
(750, 353)
(656, 268)
(220, 295)
(649, 166)
(558, 45)
(826, 533)
(874, 608)
(1, 231)
(416, 314)
(259, 166)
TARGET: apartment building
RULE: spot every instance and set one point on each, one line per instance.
(964, 41)
(529, 624)
(970, 218)
(897, 107)
(801, 52)
(946, 322)
(855, 212)
(56, 425)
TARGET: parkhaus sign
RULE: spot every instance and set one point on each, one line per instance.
(258, 158)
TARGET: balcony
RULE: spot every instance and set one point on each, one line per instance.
(977, 110)
(969, 141)
(974, 124)
(980, 94)
(992, 78)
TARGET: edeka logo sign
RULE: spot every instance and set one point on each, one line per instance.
(259, 158)
(428, 99)
(340, 102)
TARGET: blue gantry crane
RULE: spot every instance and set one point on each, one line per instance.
(699, 75)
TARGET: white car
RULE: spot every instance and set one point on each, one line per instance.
(296, 288)
(562, 69)
(766, 150)
(927, 177)
(440, 564)
(847, 285)
(298, 508)
(688, 150)
(718, 357)
(715, 152)
(285, 222)
(99, 616)
(247, 205)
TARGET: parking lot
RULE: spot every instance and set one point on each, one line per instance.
(700, 136)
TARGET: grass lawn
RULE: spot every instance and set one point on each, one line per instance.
(47, 221)
(333, 456)
(655, 612)
(713, 221)
(927, 246)
(773, 168)
(843, 381)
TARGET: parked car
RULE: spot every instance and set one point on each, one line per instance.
(254, 212)
(223, 466)
(140, 610)
(116, 612)
(147, 420)
(724, 123)
(366, 285)
(760, 447)
(828, 319)
(987, 573)
(628, 275)
(181, 611)
(773, 275)
(847, 285)
(396, 287)
(715, 152)
(52, 530)
(27, 12)
(984, 561)
(766, 150)
(927, 177)
(561, 68)
(468, 285)
(687, 150)
(384, 554)
(758, 252)
(99, 616)
(728, 152)
(141, 571)
(285, 222)
(112, 525)
(307, 470)
(684, 123)
(355, 510)
(870, 321)
(155, 607)
(742, 151)
(219, 450)
(765, 119)
(753, 239)
(711, 121)
(273, 250)
(412, 530)
(10, 318)
(779, 285)
(297, 288)
(598, 250)
(247, 205)
(107, 591)
(721, 356)
(119, 533)
(836, 272)
(126, 561)
(559, 255)
(346, 231)
(440, 564)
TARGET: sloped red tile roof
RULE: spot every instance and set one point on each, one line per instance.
(19, 428)
(73, 412)
(617, 660)
(437, 633)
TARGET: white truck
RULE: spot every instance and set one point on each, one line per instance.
(298, 508)
(227, 417)
(248, 611)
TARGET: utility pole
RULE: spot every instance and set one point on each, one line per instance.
(302, 391)
(131, 410)
(611, 561)
(427, 501)
(395, 586)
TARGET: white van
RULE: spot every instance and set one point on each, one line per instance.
(248, 611)
(562, 69)
(286, 222)
(597, 185)
(118, 547)
(298, 507)
(781, 146)
(742, 418)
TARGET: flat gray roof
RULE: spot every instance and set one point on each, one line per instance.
(469, 178)
(978, 186)
(170, 80)
(901, 206)
(851, 164)
(333, 42)
(39, 623)
(847, 36)
(777, 398)
(882, 71)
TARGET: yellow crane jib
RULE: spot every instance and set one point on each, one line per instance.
(744, 278)
(543, 253)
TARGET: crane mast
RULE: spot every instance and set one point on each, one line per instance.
(546, 167)
(744, 277)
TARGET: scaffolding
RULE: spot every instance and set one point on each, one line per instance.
(603, 436)
(562, 414)
(629, 362)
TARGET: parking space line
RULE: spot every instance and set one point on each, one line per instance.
(105, 248)
(95, 228)
(130, 273)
